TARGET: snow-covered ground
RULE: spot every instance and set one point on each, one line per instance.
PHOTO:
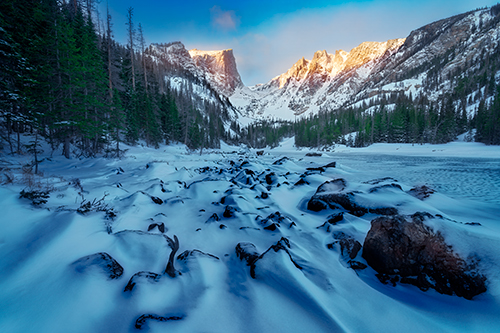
(48, 282)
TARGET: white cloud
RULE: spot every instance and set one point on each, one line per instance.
(224, 20)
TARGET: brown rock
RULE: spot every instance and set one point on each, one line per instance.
(405, 247)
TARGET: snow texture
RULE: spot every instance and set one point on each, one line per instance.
(245, 253)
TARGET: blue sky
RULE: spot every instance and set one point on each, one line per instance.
(268, 37)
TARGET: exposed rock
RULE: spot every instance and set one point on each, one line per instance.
(282, 245)
(314, 170)
(245, 177)
(157, 200)
(332, 220)
(174, 244)
(331, 195)
(384, 187)
(356, 265)
(229, 212)
(381, 180)
(260, 152)
(274, 221)
(142, 320)
(160, 226)
(349, 247)
(421, 192)
(336, 185)
(408, 249)
(271, 178)
(141, 276)
(247, 252)
(301, 181)
(313, 154)
(193, 253)
(103, 262)
(213, 218)
(281, 161)
(335, 218)
(330, 165)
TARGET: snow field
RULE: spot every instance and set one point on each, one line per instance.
(40, 290)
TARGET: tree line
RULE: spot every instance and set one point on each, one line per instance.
(64, 78)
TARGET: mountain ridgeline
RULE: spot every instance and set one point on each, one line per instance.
(64, 79)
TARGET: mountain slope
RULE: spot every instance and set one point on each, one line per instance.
(219, 68)
(431, 61)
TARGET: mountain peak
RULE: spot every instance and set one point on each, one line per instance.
(330, 65)
(220, 67)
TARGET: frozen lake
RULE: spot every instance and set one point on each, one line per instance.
(475, 179)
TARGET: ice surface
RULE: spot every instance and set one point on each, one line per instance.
(40, 290)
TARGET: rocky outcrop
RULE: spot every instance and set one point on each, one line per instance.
(404, 249)
(421, 192)
(332, 194)
(141, 277)
(220, 69)
(102, 263)
(142, 320)
(247, 252)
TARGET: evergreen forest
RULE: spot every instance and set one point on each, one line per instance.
(65, 80)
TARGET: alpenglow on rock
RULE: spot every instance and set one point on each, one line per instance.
(220, 69)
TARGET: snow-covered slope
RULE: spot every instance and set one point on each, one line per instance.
(246, 253)
(327, 79)
(430, 62)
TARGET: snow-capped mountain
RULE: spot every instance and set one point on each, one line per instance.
(204, 77)
(327, 79)
(430, 61)
(219, 68)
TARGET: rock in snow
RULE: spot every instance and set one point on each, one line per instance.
(404, 248)
(102, 262)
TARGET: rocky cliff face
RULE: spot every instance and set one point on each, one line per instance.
(219, 68)
(427, 62)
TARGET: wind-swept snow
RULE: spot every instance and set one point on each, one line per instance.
(59, 268)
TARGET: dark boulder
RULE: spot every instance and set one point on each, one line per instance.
(102, 262)
(213, 218)
(421, 192)
(271, 178)
(349, 247)
(330, 165)
(405, 249)
(229, 212)
(301, 181)
(314, 154)
(332, 220)
(247, 252)
(160, 226)
(331, 194)
(157, 200)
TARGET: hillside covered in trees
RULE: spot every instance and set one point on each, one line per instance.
(64, 79)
